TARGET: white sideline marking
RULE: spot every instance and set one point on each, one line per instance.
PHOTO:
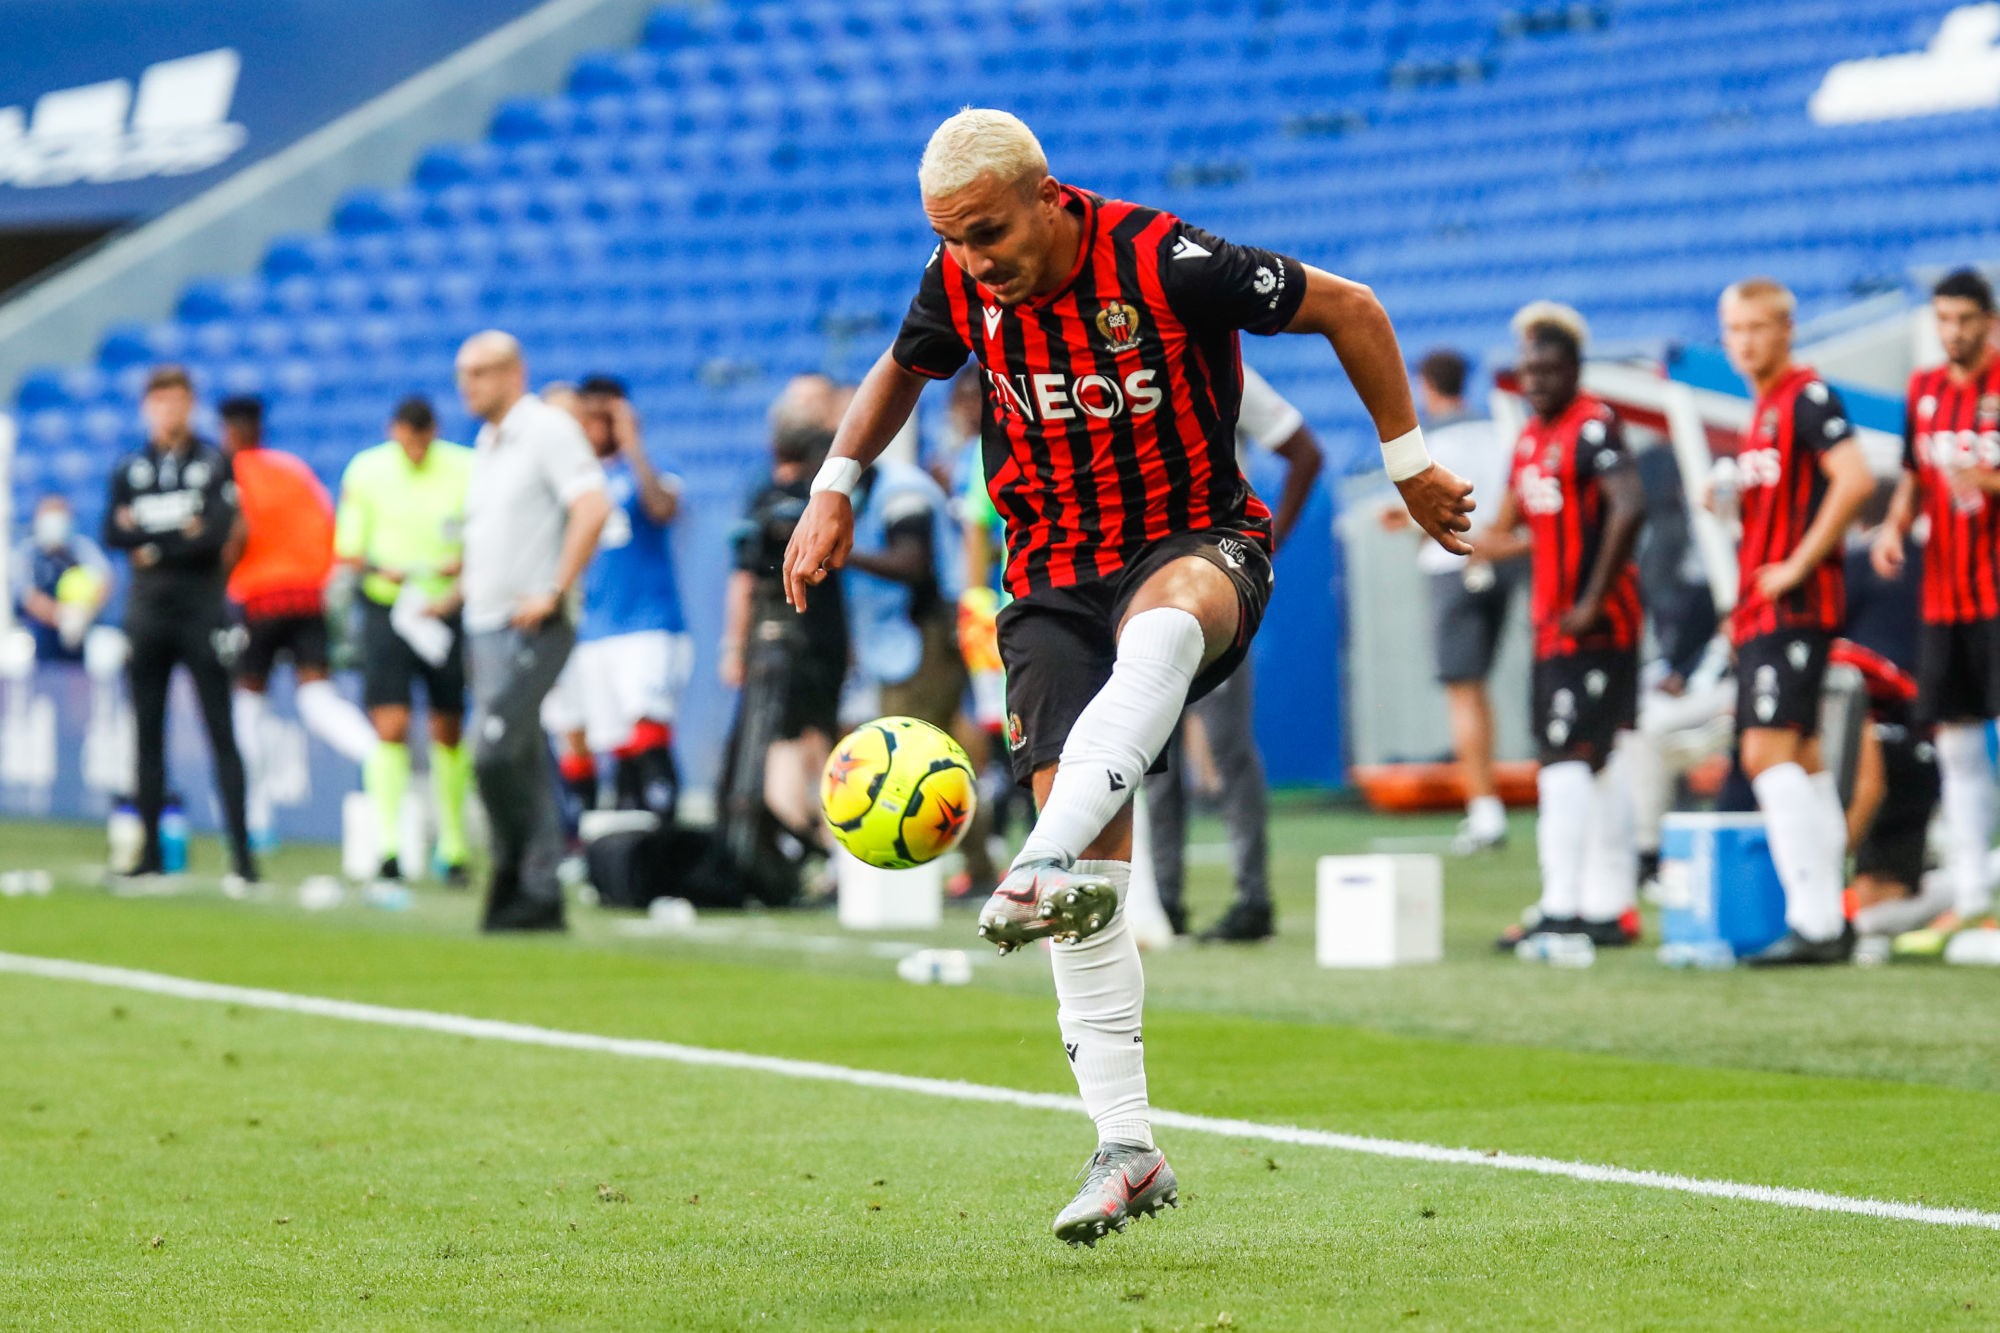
(524, 1034)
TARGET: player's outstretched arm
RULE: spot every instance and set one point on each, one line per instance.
(1347, 315)
(825, 533)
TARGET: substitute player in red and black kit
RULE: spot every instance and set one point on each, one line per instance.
(1573, 486)
(1951, 468)
(1138, 557)
(1801, 479)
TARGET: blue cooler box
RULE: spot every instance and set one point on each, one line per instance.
(1717, 882)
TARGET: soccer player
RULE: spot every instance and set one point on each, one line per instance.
(400, 527)
(279, 581)
(172, 507)
(1138, 557)
(1895, 771)
(633, 655)
(1951, 467)
(1573, 485)
(1801, 480)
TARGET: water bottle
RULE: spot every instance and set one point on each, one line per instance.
(1708, 955)
(1556, 950)
(1571, 951)
(389, 895)
(173, 837)
(1725, 489)
(127, 835)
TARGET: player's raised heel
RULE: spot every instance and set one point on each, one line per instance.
(1044, 901)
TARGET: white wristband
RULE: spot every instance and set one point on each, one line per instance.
(838, 475)
(1405, 456)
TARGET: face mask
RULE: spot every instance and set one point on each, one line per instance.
(52, 530)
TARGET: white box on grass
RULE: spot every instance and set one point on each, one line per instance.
(1380, 911)
(872, 899)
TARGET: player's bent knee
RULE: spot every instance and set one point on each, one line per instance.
(1198, 587)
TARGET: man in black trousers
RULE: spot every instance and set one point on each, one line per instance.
(173, 510)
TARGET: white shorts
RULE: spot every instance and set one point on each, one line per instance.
(611, 685)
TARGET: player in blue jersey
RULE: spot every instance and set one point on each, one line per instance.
(633, 655)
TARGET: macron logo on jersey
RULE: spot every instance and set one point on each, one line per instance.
(176, 124)
(993, 313)
(1186, 249)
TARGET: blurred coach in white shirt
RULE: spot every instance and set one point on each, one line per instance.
(536, 506)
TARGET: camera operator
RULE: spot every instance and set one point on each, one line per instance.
(790, 667)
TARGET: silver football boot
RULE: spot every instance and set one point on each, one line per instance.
(1122, 1181)
(1042, 900)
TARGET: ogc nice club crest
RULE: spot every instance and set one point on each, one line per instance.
(1119, 323)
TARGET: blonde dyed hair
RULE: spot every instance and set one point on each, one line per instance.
(1762, 289)
(1552, 315)
(976, 142)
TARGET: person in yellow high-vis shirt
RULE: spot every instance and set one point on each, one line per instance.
(400, 524)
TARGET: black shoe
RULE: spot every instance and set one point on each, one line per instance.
(1795, 950)
(526, 917)
(1607, 934)
(457, 876)
(1243, 923)
(391, 871)
(1649, 866)
(1541, 925)
(1176, 916)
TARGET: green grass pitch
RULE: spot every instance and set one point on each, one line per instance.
(171, 1163)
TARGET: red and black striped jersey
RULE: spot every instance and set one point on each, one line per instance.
(1110, 410)
(1557, 482)
(1949, 426)
(1781, 483)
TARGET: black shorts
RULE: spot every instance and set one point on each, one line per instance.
(302, 638)
(1958, 671)
(390, 667)
(1466, 625)
(812, 699)
(1582, 701)
(1779, 679)
(1058, 645)
(1893, 847)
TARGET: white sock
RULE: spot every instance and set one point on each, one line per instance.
(1833, 824)
(1562, 834)
(1651, 785)
(246, 715)
(1486, 816)
(1611, 864)
(1101, 995)
(329, 716)
(1796, 829)
(1118, 734)
(1967, 807)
